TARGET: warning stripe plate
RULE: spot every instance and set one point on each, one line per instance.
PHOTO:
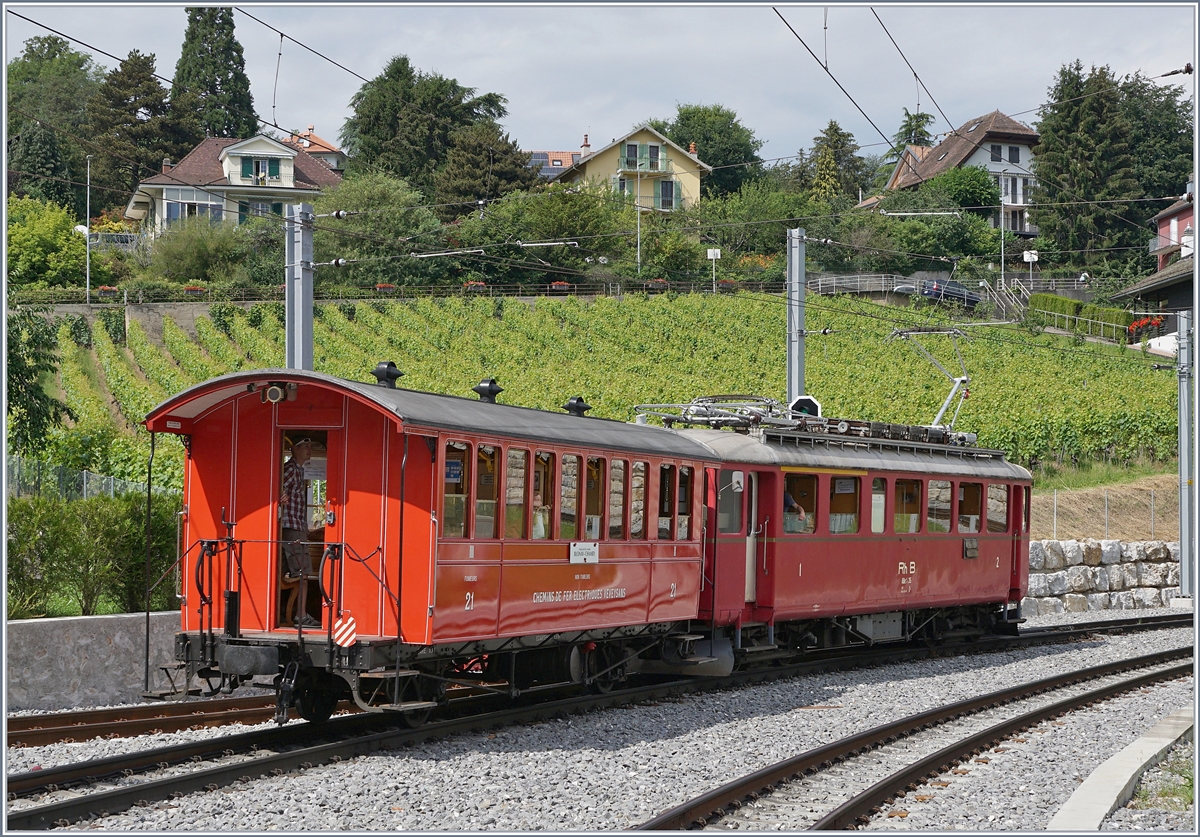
(345, 632)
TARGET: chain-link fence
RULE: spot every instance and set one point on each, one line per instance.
(30, 478)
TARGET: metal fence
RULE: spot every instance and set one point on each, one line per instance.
(30, 478)
(1116, 513)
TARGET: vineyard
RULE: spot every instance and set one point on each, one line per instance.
(1040, 398)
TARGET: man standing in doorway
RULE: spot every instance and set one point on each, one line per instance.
(294, 506)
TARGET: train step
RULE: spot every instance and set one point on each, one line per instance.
(685, 637)
(754, 649)
(386, 673)
(407, 706)
(696, 661)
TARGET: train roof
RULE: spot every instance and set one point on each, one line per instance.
(444, 412)
(815, 450)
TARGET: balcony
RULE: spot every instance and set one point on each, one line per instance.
(645, 164)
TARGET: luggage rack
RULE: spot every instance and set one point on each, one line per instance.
(775, 421)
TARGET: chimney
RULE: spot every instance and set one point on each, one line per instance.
(1185, 242)
(585, 149)
(310, 129)
(692, 149)
(167, 165)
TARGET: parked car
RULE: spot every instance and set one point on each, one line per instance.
(904, 289)
(950, 292)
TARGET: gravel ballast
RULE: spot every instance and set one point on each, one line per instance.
(612, 770)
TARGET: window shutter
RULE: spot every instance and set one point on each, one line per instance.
(243, 209)
(247, 167)
(273, 167)
(658, 194)
(277, 209)
(643, 156)
(616, 183)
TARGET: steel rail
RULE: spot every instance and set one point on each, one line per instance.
(765, 780)
(20, 723)
(858, 808)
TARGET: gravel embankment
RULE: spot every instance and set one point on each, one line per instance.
(612, 770)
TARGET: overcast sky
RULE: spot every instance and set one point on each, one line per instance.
(572, 69)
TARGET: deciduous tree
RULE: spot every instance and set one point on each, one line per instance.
(32, 357)
(211, 66)
(722, 142)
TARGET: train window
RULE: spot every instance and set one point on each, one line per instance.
(543, 495)
(800, 489)
(1025, 509)
(616, 499)
(683, 517)
(878, 504)
(637, 501)
(970, 506)
(569, 499)
(666, 501)
(485, 492)
(514, 494)
(997, 508)
(593, 499)
(843, 505)
(456, 481)
(906, 508)
(937, 518)
(729, 502)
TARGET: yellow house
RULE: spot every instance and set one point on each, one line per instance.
(644, 164)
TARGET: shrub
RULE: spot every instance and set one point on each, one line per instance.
(113, 320)
(222, 313)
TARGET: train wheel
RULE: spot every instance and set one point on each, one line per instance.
(599, 659)
(316, 704)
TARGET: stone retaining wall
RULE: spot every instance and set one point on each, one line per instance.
(1077, 576)
(85, 660)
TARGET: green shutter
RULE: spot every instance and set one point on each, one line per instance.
(616, 183)
(247, 167)
(658, 194)
(277, 209)
(273, 167)
(644, 156)
(678, 195)
(243, 211)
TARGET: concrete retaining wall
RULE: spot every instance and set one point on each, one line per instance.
(85, 661)
(1078, 576)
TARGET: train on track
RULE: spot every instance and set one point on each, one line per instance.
(453, 541)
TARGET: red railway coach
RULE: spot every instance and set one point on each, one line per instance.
(460, 541)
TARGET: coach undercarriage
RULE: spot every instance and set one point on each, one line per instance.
(386, 676)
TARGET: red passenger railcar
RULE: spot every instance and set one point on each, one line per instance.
(453, 540)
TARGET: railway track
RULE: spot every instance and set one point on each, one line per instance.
(839, 785)
(101, 786)
(136, 719)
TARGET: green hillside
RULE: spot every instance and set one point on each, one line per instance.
(1042, 399)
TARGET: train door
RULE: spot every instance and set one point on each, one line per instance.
(753, 533)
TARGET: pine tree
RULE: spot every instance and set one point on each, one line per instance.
(211, 67)
(403, 120)
(137, 126)
(1083, 161)
(914, 130)
(36, 166)
(851, 171)
(826, 184)
(482, 164)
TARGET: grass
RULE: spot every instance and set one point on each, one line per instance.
(1176, 790)
(1098, 474)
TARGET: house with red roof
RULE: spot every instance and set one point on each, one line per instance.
(997, 143)
(1170, 287)
(322, 149)
(230, 179)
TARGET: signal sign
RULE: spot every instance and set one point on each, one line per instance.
(806, 405)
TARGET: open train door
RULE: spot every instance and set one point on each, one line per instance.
(753, 533)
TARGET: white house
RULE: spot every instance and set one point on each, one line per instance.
(230, 179)
(998, 143)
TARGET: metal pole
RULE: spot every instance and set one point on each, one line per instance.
(149, 481)
(298, 254)
(795, 314)
(1187, 545)
(88, 236)
(638, 206)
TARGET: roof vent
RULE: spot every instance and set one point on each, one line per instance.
(386, 373)
(576, 406)
(488, 389)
